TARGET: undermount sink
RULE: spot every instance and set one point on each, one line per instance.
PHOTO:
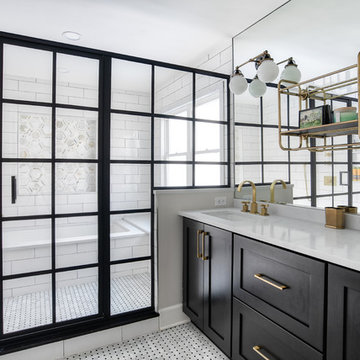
(226, 214)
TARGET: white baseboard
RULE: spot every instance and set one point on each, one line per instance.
(172, 316)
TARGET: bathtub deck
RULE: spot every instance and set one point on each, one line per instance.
(26, 311)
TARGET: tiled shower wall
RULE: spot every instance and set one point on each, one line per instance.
(76, 138)
(27, 134)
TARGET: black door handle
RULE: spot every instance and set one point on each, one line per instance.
(13, 189)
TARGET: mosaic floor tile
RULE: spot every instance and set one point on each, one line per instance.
(178, 343)
(34, 309)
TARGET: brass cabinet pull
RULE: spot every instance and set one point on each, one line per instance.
(203, 246)
(263, 278)
(198, 253)
(257, 350)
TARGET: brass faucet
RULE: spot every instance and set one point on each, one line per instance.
(253, 206)
(272, 189)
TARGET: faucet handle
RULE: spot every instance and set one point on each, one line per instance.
(263, 211)
(245, 206)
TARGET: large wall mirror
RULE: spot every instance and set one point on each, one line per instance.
(322, 36)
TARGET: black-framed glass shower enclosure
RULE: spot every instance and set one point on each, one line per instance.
(80, 157)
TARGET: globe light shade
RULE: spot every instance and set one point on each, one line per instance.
(238, 83)
(290, 73)
(268, 71)
(257, 88)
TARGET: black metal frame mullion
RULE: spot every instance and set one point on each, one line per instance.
(104, 186)
(228, 115)
(152, 174)
(193, 128)
(53, 196)
(1, 171)
(262, 138)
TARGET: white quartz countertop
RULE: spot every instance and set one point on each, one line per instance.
(341, 247)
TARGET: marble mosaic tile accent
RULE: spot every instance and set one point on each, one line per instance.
(34, 135)
(183, 342)
(21, 312)
(76, 138)
(75, 178)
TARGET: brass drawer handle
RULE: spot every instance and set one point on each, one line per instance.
(203, 246)
(263, 278)
(257, 350)
(198, 253)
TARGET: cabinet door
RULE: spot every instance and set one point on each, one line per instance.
(255, 337)
(193, 272)
(217, 287)
(343, 327)
(287, 288)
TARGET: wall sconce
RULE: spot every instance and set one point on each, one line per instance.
(267, 71)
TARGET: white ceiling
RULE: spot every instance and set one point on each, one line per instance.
(181, 32)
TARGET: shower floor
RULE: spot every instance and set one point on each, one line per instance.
(34, 309)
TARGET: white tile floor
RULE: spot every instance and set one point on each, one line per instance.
(178, 343)
(34, 309)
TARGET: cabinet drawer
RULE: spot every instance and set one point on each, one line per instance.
(286, 287)
(252, 331)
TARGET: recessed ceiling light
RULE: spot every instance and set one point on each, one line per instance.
(71, 35)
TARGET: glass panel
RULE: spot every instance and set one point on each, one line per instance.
(211, 101)
(356, 201)
(77, 80)
(76, 241)
(27, 303)
(76, 294)
(130, 137)
(341, 200)
(247, 109)
(211, 142)
(75, 187)
(130, 236)
(26, 246)
(76, 134)
(279, 171)
(272, 150)
(173, 92)
(173, 140)
(30, 193)
(301, 155)
(294, 111)
(27, 74)
(340, 155)
(271, 110)
(247, 143)
(248, 172)
(356, 178)
(300, 178)
(324, 179)
(210, 175)
(26, 131)
(322, 202)
(130, 186)
(130, 286)
(130, 86)
(302, 202)
(341, 178)
(168, 175)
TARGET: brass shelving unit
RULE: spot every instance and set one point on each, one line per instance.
(306, 91)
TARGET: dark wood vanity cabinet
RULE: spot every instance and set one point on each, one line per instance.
(343, 326)
(207, 256)
(256, 301)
